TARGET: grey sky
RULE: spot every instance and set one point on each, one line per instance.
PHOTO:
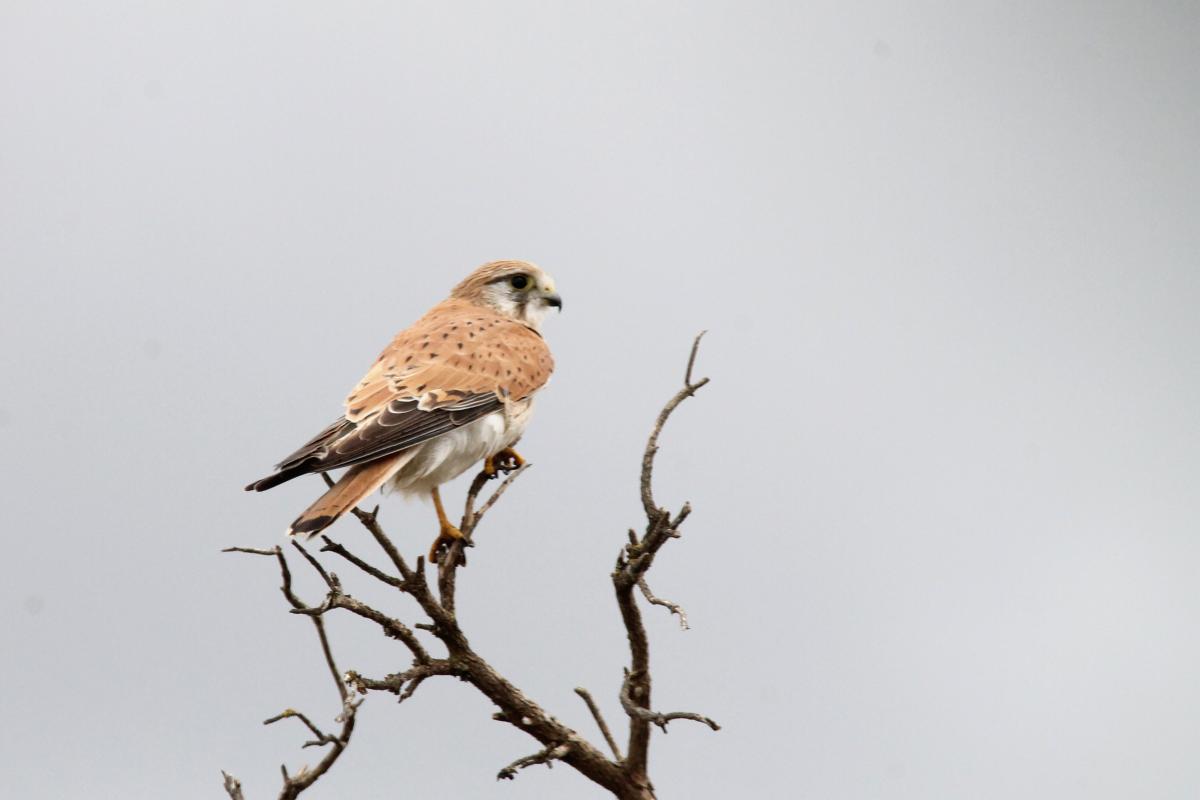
(945, 477)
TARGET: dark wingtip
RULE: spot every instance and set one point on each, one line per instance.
(273, 480)
(262, 484)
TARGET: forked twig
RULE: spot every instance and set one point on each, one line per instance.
(294, 785)
(659, 719)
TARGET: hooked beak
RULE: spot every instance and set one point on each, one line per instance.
(553, 300)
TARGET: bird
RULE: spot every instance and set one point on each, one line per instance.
(454, 389)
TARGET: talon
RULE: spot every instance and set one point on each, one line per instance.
(506, 460)
(447, 533)
(446, 537)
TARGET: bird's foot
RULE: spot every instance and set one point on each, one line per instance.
(447, 536)
(506, 460)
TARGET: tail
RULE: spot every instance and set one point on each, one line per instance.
(356, 484)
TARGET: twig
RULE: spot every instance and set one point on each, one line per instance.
(274, 551)
(392, 627)
(331, 582)
(596, 715)
(370, 521)
(547, 755)
(496, 495)
(233, 787)
(689, 389)
(322, 737)
(632, 566)
(454, 557)
(468, 518)
(396, 683)
(294, 785)
(337, 549)
(674, 608)
(327, 651)
(661, 720)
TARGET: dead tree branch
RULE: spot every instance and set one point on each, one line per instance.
(600, 723)
(233, 787)
(294, 785)
(624, 777)
(546, 755)
(674, 608)
(633, 563)
(661, 720)
(454, 557)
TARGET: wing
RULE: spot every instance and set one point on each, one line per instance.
(457, 364)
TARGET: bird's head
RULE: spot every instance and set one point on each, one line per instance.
(516, 289)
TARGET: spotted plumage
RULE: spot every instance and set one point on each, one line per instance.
(454, 389)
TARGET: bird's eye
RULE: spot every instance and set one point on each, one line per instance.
(519, 281)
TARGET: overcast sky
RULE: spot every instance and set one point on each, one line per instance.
(945, 477)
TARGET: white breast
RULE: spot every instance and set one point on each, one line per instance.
(451, 454)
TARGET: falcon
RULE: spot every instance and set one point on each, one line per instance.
(454, 389)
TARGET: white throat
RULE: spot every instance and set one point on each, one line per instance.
(529, 310)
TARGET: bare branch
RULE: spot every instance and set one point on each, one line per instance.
(370, 521)
(547, 755)
(674, 608)
(393, 628)
(518, 710)
(404, 683)
(252, 550)
(639, 653)
(689, 389)
(687, 376)
(337, 549)
(477, 483)
(635, 561)
(638, 712)
(454, 557)
(322, 737)
(294, 785)
(233, 787)
(596, 715)
(331, 582)
(475, 519)
(414, 583)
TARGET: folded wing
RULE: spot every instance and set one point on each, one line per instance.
(454, 366)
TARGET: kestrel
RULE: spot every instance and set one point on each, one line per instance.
(454, 389)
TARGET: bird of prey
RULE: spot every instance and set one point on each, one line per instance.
(455, 388)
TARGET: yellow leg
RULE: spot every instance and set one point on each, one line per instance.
(506, 460)
(447, 533)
